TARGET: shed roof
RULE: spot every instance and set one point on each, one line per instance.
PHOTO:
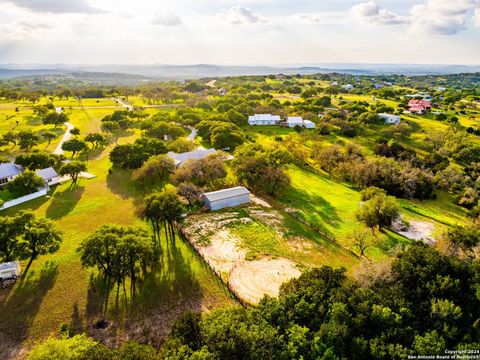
(295, 120)
(48, 173)
(226, 193)
(385, 115)
(180, 158)
(9, 169)
(264, 117)
(9, 265)
(308, 122)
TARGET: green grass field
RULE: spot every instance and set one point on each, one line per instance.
(331, 206)
(58, 290)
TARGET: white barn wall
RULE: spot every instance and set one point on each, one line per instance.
(223, 203)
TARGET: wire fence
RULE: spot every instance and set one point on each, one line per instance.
(216, 271)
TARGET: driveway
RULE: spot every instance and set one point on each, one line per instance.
(66, 137)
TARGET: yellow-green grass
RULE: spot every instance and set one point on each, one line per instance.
(367, 98)
(71, 101)
(332, 206)
(57, 289)
(295, 241)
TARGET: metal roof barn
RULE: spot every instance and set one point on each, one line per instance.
(180, 158)
(220, 199)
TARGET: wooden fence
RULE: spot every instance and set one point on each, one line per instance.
(215, 270)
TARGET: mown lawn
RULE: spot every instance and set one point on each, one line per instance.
(58, 290)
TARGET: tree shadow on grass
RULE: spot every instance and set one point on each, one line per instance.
(120, 182)
(19, 307)
(161, 295)
(393, 241)
(63, 202)
(173, 280)
(314, 208)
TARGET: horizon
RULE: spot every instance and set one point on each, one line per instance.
(230, 32)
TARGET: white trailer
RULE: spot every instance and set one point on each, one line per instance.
(9, 270)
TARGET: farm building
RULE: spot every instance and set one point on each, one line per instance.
(264, 119)
(8, 171)
(308, 124)
(390, 118)
(9, 270)
(180, 159)
(348, 87)
(220, 199)
(293, 121)
(49, 175)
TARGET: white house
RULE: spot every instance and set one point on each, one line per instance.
(9, 270)
(390, 118)
(198, 154)
(8, 171)
(264, 119)
(308, 124)
(348, 87)
(49, 175)
(293, 121)
(220, 199)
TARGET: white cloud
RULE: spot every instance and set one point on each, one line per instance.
(23, 30)
(443, 17)
(238, 15)
(167, 18)
(371, 13)
(56, 6)
(476, 17)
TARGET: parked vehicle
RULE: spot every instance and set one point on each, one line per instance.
(9, 273)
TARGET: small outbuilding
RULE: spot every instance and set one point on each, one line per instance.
(293, 121)
(50, 176)
(220, 199)
(9, 270)
(308, 124)
(390, 118)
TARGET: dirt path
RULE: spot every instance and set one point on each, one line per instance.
(123, 104)
(66, 137)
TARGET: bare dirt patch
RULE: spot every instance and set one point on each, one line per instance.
(251, 280)
(214, 237)
(259, 201)
(223, 252)
(418, 231)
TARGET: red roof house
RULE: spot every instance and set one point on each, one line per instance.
(419, 106)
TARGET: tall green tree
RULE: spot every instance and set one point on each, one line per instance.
(39, 238)
(378, 209)
(73, 169)
(74, 145)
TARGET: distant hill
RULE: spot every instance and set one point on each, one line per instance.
(177, 72)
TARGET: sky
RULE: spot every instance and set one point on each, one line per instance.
(234, 32)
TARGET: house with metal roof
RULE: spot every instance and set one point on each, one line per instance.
(293, 121)
(264, 119)
(49, 175)
(220, 199)
(8, 171)
(390, 118)
(180, 158)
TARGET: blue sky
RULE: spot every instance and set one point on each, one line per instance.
(240, 32)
